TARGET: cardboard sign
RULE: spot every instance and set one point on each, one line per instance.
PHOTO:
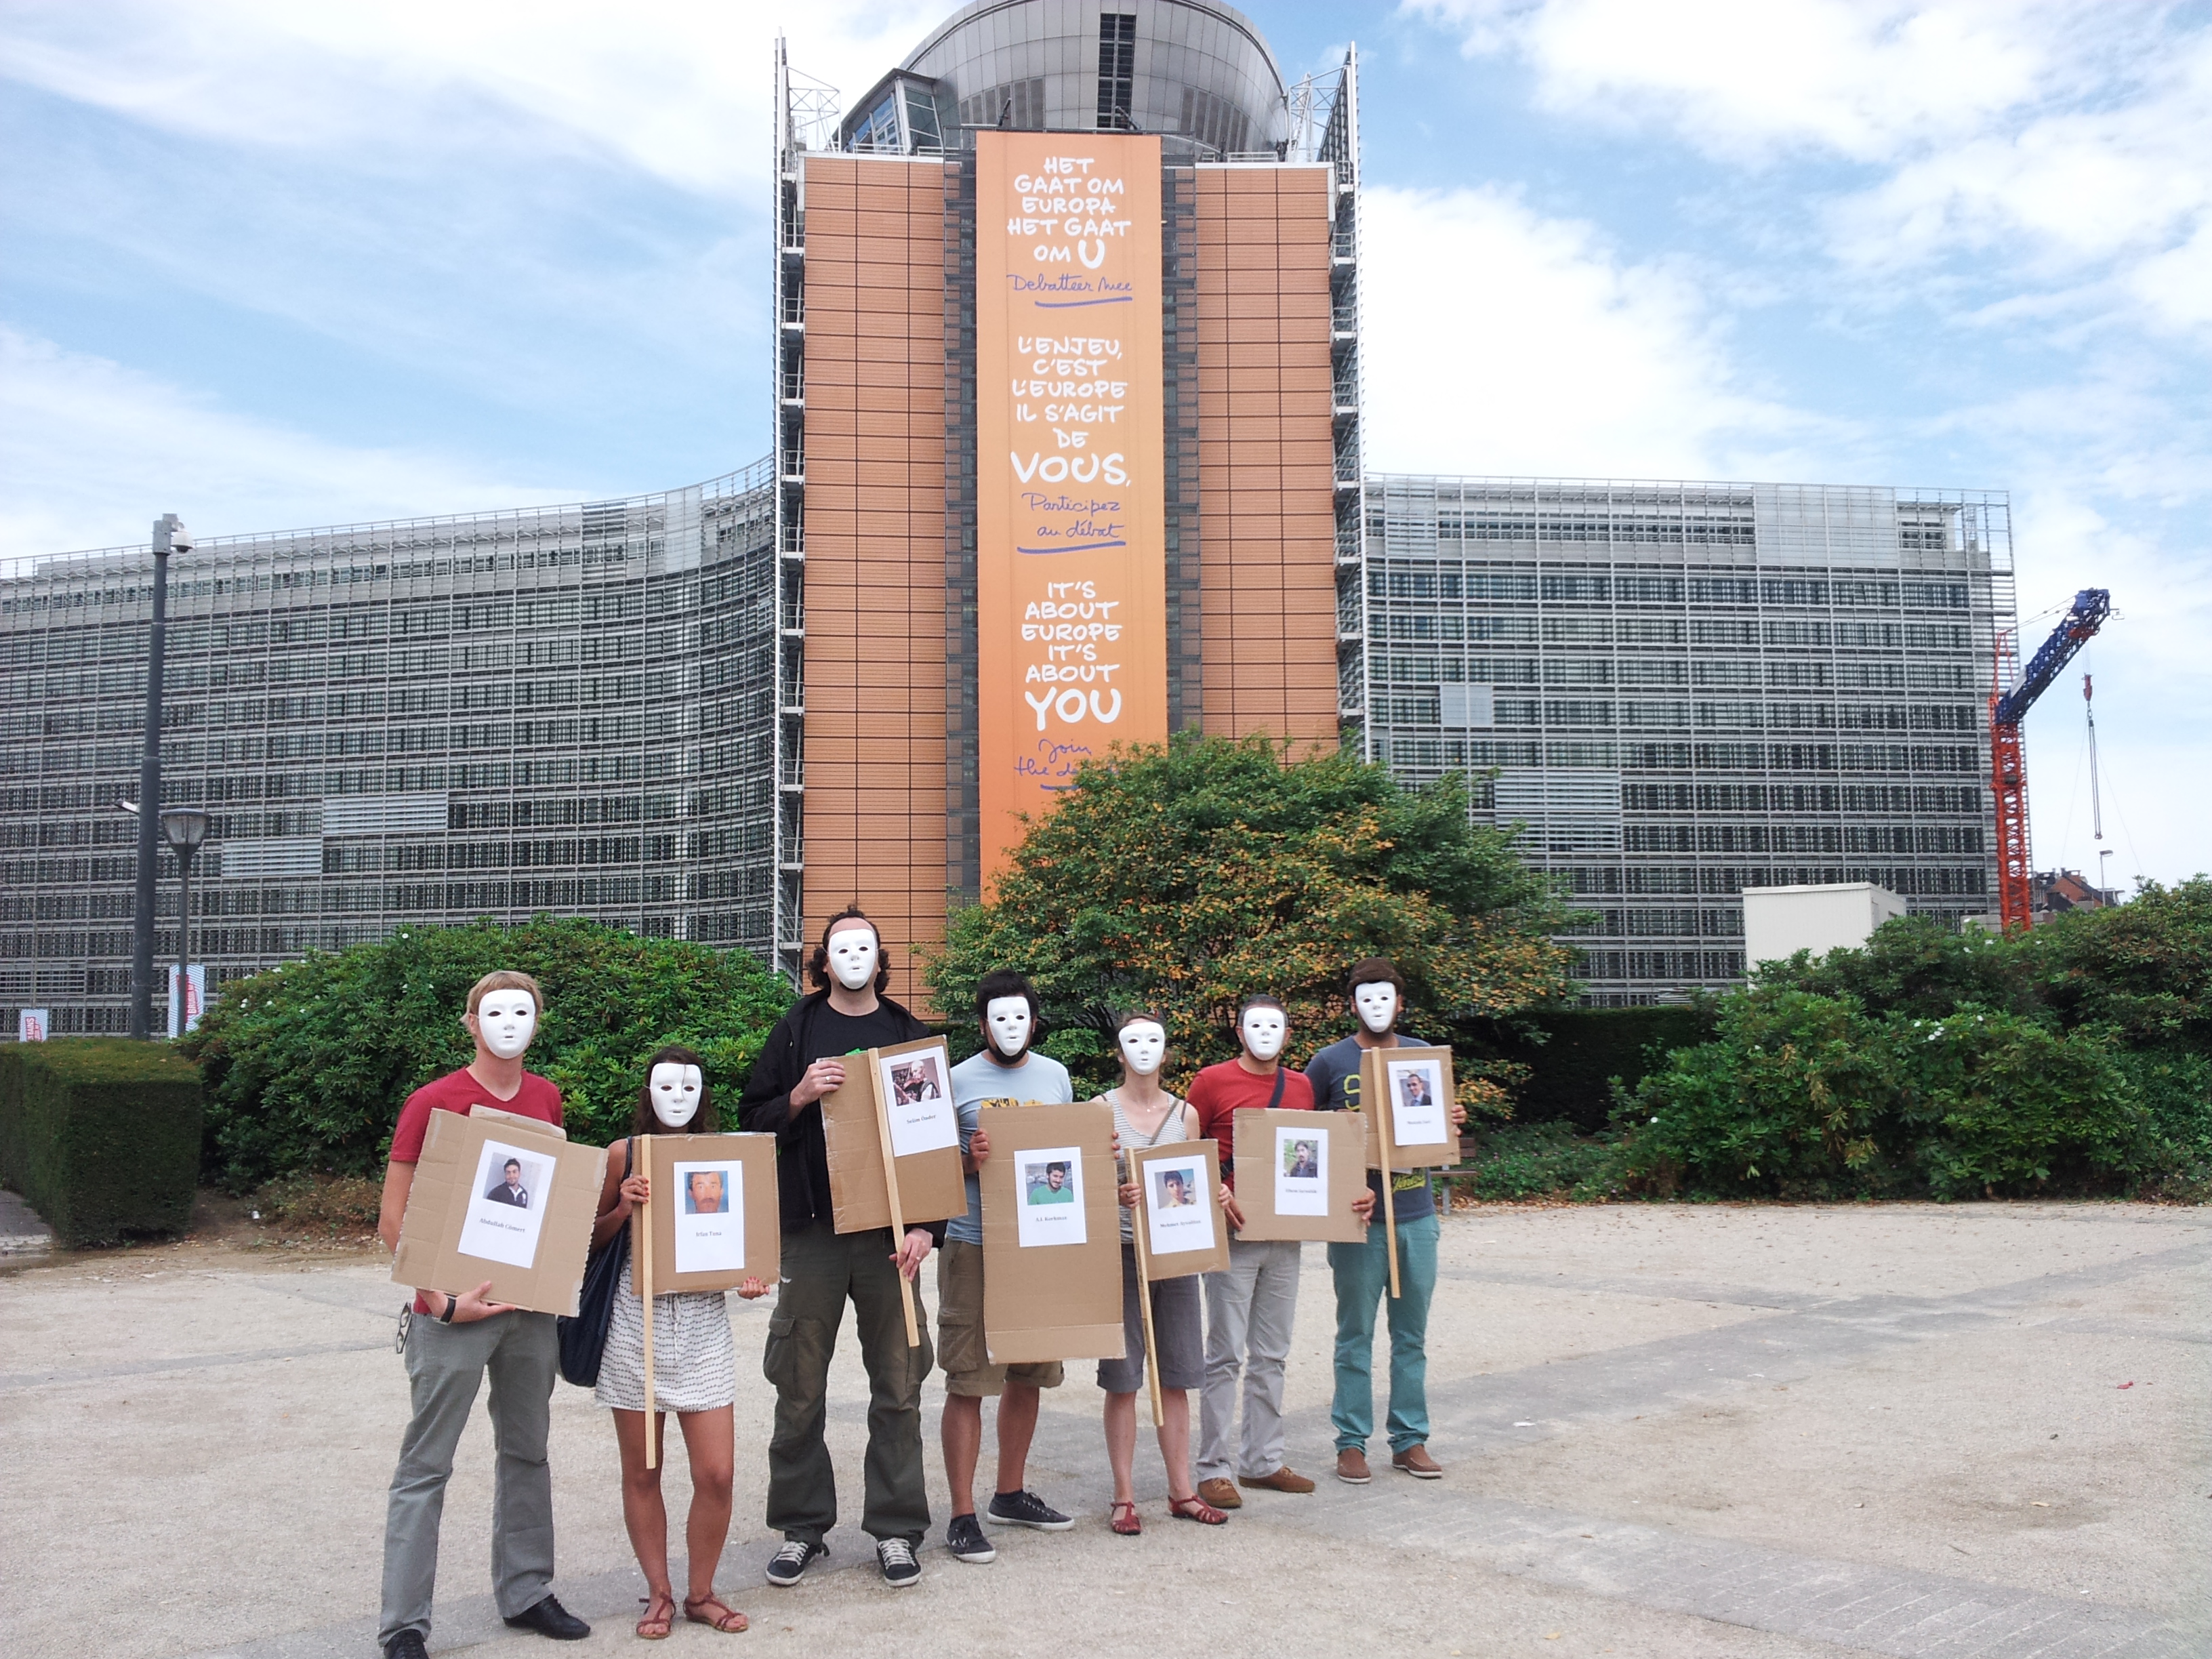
(1179, 1208)
(715, 1223)
(913, 1082)
(1415, 1084)
(1299, 1173)
(502, 1197)
(1051, 1237)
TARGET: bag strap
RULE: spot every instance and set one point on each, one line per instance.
(1282, 1076)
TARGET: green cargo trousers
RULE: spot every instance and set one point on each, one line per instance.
(446, 1367)
(821, 1270)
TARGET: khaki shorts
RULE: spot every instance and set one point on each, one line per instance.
(960, 1350)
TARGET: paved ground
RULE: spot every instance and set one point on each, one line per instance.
(1904, 1429)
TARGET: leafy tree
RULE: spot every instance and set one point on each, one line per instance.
(1187, 876)
(2144, 968)
(304, 1067)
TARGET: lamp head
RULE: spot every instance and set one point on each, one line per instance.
(185, 827)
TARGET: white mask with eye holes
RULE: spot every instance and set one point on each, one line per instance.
(1144, 1044)
(1264, 1030)
(1006, 1019)
(675, 1089)
(507, 1020)
(852, 956)
(1377, 1003)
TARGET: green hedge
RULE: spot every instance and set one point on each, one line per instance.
(100, 1135)
(1570, 1071)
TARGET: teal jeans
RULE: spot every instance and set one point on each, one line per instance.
(1363, 1279)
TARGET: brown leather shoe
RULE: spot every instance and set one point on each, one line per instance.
(1220, 1493)
(1416, 1461)
(1352, 1466)
(1286, 1479)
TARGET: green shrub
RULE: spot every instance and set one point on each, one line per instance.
(100, 1135)
(2175, 1087)
(330, 1205)
(1563, 1061)
(1533, 1160)
(308, 1065)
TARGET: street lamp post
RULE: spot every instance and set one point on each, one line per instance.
(170, 536)
(184, 827)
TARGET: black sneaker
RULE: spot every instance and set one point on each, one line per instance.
(965, 1538)
(1026, 1508)
(549, 1618)
(789, 1564)
(896, 1557)
(408, 1645)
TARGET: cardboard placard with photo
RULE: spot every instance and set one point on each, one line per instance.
(1184, 1230)
(501, 1197)
(715, 1221)
(910, 1088)
(1298, 1174)
(1415, 1084)
(1051, 1241)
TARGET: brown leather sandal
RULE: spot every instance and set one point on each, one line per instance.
(1122, 1517)
(1197, 1509)
(654, 1626)
(728, 1620)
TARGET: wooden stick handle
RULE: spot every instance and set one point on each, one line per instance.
(644, 1292)
(1390, 1208)
(1137, 1218)
(898, 1221)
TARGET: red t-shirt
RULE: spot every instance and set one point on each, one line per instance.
(1220, 1090)
(457, 1091)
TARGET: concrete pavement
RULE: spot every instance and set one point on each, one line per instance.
(1905, 1429)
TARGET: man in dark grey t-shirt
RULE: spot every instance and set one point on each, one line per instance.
(1362, 1270)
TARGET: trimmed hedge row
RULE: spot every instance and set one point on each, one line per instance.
(101, 1135)
(1569, 1074)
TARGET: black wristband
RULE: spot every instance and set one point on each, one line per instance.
(452, 1305)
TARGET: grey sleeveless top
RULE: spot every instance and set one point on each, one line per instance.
(1135, 1141)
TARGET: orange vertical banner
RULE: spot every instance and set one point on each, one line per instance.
(1070, 513)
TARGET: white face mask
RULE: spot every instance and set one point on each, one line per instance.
(507, 1020)
(852, 954)
(1007, 1020)
(674, 1091)
(1378, 1003)
(1263, 1030)
(1144, 1045)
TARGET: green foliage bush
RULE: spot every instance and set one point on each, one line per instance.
(101, 1135)
(1567, 1059)
(306, 1066)
(1532, 1160)
(1187, 876)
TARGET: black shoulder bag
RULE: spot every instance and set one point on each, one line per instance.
(584, 1339)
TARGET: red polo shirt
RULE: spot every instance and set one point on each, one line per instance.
(457, 1091)
(1219, 1091)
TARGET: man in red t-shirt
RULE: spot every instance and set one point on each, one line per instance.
(1249, 1307)
(454, 1338)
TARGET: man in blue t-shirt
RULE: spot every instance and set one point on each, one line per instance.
(1362, 1270)
(1007, 1072)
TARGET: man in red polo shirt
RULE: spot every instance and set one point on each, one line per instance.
(454, 1338)
(1250, 1306)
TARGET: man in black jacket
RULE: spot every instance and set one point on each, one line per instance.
(805, 1060)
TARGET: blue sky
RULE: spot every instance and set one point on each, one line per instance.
(268, 264)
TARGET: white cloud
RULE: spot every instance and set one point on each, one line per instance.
(1498, 341)
(678, 89)
(96, 451)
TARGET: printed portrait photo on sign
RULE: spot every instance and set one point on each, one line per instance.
(710, 1222)
(912, 1087)
(508, 1207)
(1419, 1114)
(1301, 1172)
(1051, 1191)
(1179, 1215)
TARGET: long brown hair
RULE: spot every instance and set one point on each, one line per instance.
(702, 1121)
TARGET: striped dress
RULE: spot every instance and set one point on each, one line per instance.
(695, 1365)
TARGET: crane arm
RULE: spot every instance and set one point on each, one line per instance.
(2090, 608)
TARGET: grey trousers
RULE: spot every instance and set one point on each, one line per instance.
(445, 1366)
(1249, 1313)
(822, 1271)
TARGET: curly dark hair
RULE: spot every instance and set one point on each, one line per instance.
(818, 965)
(643, 1122)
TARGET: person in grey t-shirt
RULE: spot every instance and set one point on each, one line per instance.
(1006, 1072)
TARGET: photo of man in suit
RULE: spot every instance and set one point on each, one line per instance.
(510, 1190)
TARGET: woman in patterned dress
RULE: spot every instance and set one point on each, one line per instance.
(693, 1370)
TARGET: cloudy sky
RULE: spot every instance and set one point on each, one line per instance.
(267, 265)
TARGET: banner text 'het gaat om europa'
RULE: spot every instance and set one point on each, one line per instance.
(1071, 562)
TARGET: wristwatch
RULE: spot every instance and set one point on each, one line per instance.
(452, 1303)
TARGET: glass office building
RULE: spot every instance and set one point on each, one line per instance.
(560, 709)
(1687, 689)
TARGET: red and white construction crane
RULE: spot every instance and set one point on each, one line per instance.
(2008, 771)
